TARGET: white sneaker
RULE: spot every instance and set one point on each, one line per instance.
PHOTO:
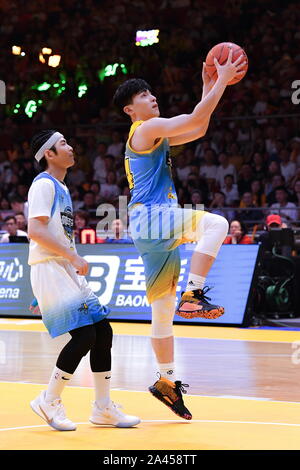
(111, 414)
(53, 413)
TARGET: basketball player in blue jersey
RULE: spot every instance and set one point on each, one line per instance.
(158, 226)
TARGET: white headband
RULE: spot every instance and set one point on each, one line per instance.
(47, 145)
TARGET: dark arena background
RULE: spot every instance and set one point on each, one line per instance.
(60, 65)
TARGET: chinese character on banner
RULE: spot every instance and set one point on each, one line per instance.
(11, 272)
(134, 272)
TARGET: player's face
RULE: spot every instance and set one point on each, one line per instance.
(64, 158)
(144, 105)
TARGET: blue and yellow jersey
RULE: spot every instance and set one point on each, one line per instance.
(149, 173)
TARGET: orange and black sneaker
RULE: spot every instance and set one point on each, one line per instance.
(195, 303)
(170, 393)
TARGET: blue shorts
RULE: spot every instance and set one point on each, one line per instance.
(157, 232)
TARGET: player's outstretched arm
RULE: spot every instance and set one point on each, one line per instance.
(178, 125)
(38, 231)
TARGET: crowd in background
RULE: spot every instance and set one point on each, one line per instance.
(249, 159)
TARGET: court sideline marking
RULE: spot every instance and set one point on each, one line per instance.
(169, 421)
(226, 397)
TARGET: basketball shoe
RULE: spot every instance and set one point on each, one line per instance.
(53, 413)
(195, 303)
(111, 414)
(170, 393)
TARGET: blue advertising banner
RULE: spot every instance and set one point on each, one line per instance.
(116, 275)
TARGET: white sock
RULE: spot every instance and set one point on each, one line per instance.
(102, 388)
(167, 370)
(195, 282)
(57, 383)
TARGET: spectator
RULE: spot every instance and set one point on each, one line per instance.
(18, 205)
(286, 210)
(277, 182)
(76, 177)
(10, 224)
(96, 189)
(237, 234)
(249, 214)
(197, 199)
(21, 221)
(272, 221)
(295, 153)
(230, 191)
(99, 163)
(81, 221)
(209, 169)
(224, 168)
(110, 190)
(4, 204)
(235, 157)
(182, 169)
(296, 195)
(270, 140)
(287, 167)
(245, 178)
(259, 170)
(258, 195)
(202, 146)
(89, 204)
(218, 205)
(119, 234)
(116, 148)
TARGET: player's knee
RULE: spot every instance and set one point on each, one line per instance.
(163, 310)
(216, 223)
(223, 225)
(84, 339)
(104, 334)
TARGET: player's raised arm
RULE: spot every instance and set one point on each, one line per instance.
(162, 127)
(201, 130)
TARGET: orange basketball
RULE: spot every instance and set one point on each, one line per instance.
(220, 52)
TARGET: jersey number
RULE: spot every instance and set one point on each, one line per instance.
(129, 174)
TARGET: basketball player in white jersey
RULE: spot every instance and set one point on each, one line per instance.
(66, 302)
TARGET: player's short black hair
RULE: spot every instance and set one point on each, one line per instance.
(127, 90)
(38, 141)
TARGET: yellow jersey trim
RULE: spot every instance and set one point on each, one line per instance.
(132, 131)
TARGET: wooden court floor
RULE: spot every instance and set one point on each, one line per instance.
(243, 393)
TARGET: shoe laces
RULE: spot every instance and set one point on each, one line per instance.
(180, 386)
(201, 294)
(116, 407)
(60, 410)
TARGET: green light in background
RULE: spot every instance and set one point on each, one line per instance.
(31, 108)
(82, 89)
(43, 86)
(111, 70)
(60, 90)
(17, 108)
